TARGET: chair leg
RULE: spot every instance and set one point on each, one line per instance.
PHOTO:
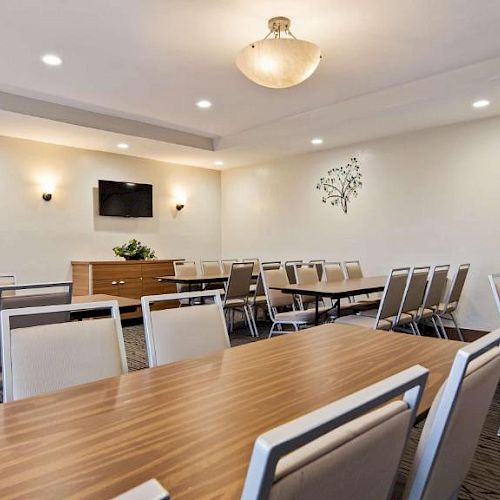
(271, 331)
(443, 329)
(460, 336)
(436, 329)
(417, 329)
(248, 317)
(412, 328)
(252, 319)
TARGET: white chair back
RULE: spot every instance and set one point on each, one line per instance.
(452, 428)
(276, 298)
(353, 269)
(240, 278)
(314, 456)
(290, 266)
(183, 332)
(333, 271)
(436, 287)
(10, 299)
(415, 289)
(211, 267)
(392, 296)
(48, 357)
(226, 265)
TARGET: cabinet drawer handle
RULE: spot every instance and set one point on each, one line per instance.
(114, 283)
(159, 280)
(122, 282)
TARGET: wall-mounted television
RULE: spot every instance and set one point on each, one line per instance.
(125, 199)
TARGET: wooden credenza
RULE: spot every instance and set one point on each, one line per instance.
(127, 278)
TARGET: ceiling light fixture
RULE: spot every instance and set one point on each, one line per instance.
(122, 145)
(219, 163)
(281, 60)
(481, 103)
(204, 104)
(51, 60)
(316, 141)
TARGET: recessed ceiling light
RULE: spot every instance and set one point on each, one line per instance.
(482, 103)
(51, 60)
(317, 140)
(203, 104)
(219, 163)
(122, 145)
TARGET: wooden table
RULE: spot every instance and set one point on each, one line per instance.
(198, 279)
(192, 424)
(337, 289)
(125, 304)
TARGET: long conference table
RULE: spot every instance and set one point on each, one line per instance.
(192, 424)
(336, 290)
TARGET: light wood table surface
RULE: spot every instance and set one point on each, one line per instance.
(124, 303)
(192, 424)
(337, 289)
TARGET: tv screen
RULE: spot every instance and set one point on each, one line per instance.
(125, 199)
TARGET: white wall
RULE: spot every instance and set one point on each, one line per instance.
(39, 239)
(430, 197)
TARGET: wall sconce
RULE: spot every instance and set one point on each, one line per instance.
(179, 206)
(48, 186)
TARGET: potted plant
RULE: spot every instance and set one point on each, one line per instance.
(134, 250)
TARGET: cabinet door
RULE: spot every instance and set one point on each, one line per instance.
(130, 287)
(108, 287)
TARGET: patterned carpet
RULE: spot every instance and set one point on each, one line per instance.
(483, 480)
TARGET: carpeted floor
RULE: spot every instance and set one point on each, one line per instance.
(483, 480)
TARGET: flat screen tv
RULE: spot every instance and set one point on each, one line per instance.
(125, 199)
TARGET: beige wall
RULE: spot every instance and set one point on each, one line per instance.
(38, 239)
(431, 197)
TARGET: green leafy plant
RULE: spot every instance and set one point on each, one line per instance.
(134, 250)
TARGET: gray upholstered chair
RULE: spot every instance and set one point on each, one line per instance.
(412, 299)
(432, 298)
(277, 301)
(8, 279)
(390, 304)
(446, 308)
(47, 357)
(333, 272)
(348, 449)
(453, 426)
(184, 332)
(237, 295)
(290, 266)
(308, 275)
(352, 270)
(319, 265)
(226, 265)
(36, 295)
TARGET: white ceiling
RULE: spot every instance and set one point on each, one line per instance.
(388, 66)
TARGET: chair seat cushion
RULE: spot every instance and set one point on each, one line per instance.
(234, 303)
(365, 321)
(296, 316)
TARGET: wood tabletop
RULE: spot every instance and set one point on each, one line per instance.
(338, 289)
(192, 424)
(124, 303)
(198, 278)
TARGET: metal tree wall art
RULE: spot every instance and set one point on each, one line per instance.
(342, 184)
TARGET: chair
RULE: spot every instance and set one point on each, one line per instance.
(494, 280)
(9, 299)
(308, 276)
(276, 299)
(353, 271)
(389, 304)
(180, 333)
(48, 357)
(412, 299)
(226, 265)
(348, 449)
(449, 305)
(452, 428)
(319, 265)
(290, 269)
(332, 272)
(272, 264)
(432, 298)
(211, 267)
(8, 279)
(256, 264)
(237, 292)
(185, 269)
